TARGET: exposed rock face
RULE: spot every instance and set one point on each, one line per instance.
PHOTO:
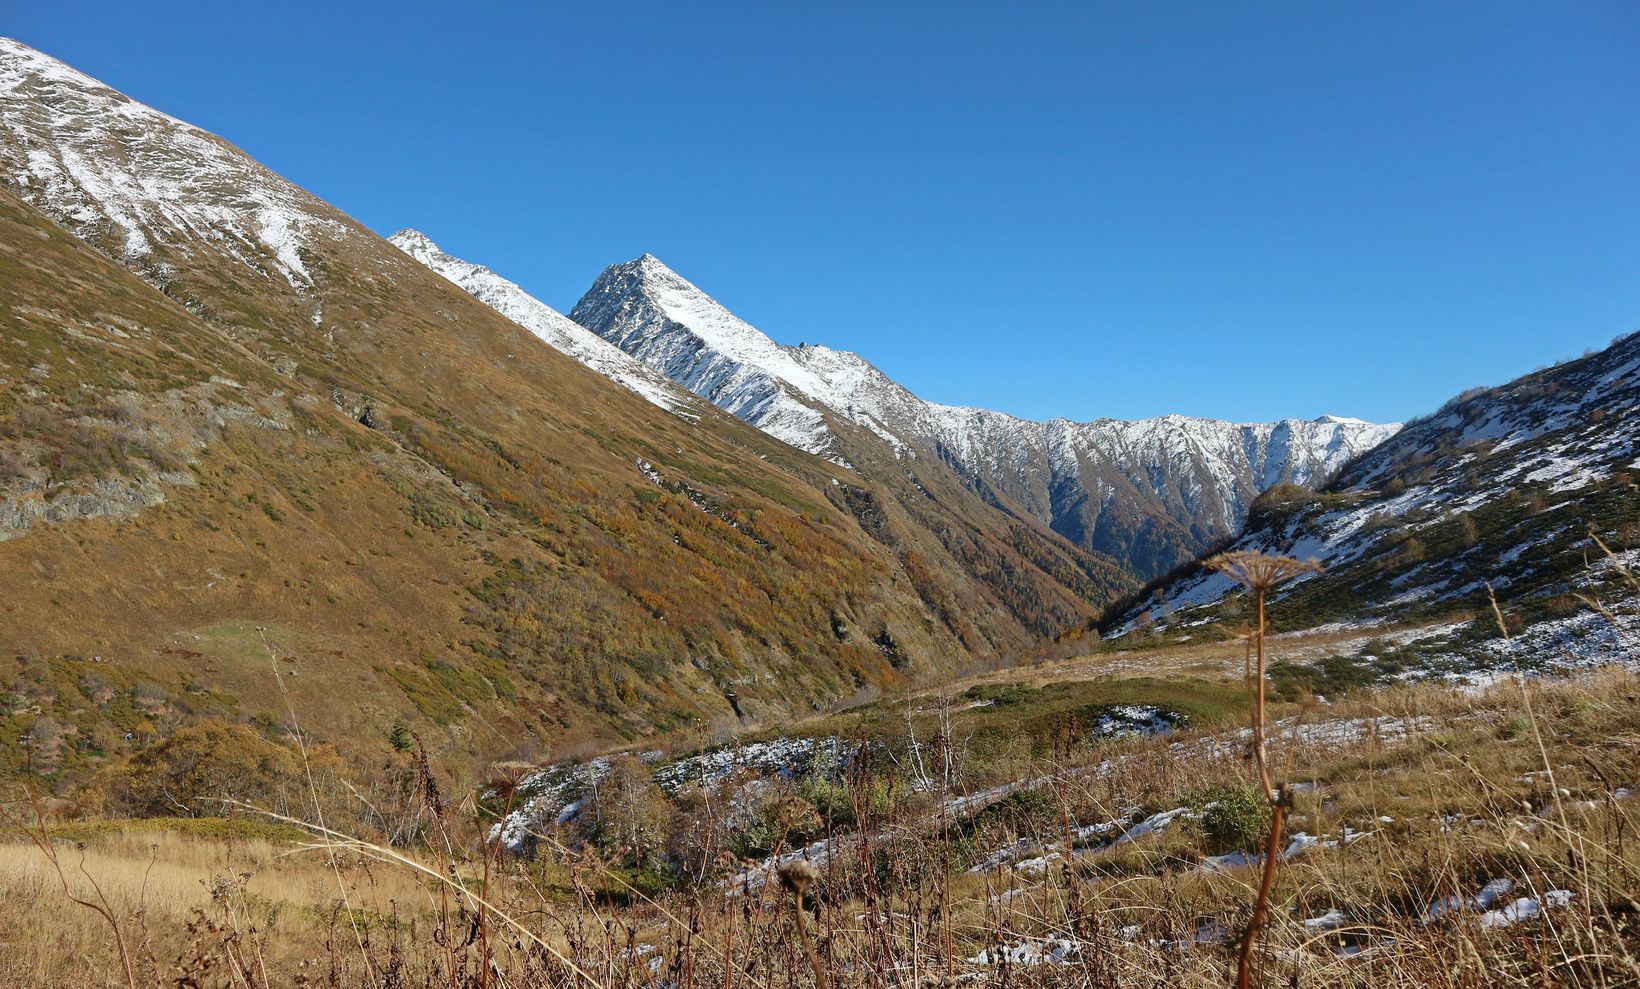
(101, 498)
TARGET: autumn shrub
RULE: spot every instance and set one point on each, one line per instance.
(1001, 694)
(627, 814)
(1233, 817)
(196, 768)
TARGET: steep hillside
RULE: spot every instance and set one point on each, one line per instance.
(288, 446)
(1151, 492)
(1502, 486)
(559, 331)
(927, 516)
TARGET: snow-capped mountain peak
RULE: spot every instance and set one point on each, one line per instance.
(715, 325)
(660, 318)
(557, 330)
(415, 243)
(1198, 476)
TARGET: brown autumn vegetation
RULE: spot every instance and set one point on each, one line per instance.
(1447, 789)
(435, 519)
(261, 533)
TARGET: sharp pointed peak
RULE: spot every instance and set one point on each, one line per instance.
(650, 264)
(647, 270)
(412, 236)
(422, 247)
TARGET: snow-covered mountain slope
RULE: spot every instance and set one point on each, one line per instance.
(558, 330)
(649, 311)
(1501, 486)
(131, 179)
(1152, 491)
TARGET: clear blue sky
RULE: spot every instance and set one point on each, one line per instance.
(1245, 210)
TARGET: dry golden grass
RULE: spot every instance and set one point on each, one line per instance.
(1468, 796)
(161, 882)
(1466, 808)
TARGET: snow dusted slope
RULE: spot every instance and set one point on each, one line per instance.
(562, 333)
(647, 310)
(131, 179)
(1151, 492)
(745, 577)
(1502, 486)
(1204, 471)
(339, 313)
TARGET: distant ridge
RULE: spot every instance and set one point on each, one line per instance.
(1506, 487)
(1151, 492)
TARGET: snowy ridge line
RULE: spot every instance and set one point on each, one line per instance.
(648, 311)
(93, 159)
(555, 329)
(847, 383)
(1203, 472)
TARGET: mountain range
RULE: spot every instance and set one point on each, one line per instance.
(1151, 493)
(1524, 492)
(241, 433)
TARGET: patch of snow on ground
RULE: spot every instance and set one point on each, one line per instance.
(1131, 720)
(1584, 640)
(551, 795)
(1051, 951)
(1482, 900)
(782, 757)
(1525, 908)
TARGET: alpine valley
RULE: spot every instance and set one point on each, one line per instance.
(1151, 493)
(368, 621)
(454, 505)
(423, 508)
(1523, 494)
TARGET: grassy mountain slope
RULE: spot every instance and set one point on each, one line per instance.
(310, 446)
(923, 512)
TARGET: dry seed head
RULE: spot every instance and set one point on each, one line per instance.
(1259, 571)
(504, 781)
(798, 876)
